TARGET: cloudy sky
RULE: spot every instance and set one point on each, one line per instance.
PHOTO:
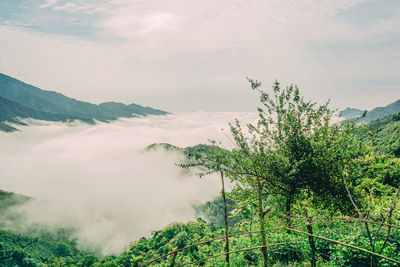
(187, 55)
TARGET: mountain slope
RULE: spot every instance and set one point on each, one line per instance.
(11, 112)
(381, 112)
(6, 128)
(374, 114)
(53, 102)
(351, 113)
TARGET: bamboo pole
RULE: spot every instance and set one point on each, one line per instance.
(234, 251)
(347, 245)
(311, 239)
(211, 240)
(225, 220)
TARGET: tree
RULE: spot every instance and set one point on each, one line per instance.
(293, 147)
(212, 159)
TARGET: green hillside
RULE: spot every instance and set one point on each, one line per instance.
(9, 199)
(384, 134)
(33, 247)
(22, 250)
(304, 192)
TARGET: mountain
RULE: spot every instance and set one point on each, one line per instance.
(189, 150)
(12, 111)
(163, 146)
(52, 102)
(374, 114)
(122, 110)
(6, 128)
(10, 199)
(351, 113)
(31, 246)
(381, 112)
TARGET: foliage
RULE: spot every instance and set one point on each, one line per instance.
(22, 250)
(213, 211)
(293, 161)
(384, 135)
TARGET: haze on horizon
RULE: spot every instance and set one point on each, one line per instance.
(183, 56)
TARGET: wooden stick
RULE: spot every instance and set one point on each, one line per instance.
(347, 245)
(230, 252)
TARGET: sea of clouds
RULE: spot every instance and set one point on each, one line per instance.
(99, 180)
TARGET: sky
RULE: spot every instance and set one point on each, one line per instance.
(187, 55)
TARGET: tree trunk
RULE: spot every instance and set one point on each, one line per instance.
(289, 201)
(226, 220)
(311, 239)
(261, 216)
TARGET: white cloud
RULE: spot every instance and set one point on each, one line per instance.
(98, 179)
(158, 22)
(248, 18)
(66, 6)
(172, 54)
(49, 3)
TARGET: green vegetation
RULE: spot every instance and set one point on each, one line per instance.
(164, 146)
(22, 250)
(293, 163)
(9, 199)
(384, 135)
(306, 192)
(33, 246)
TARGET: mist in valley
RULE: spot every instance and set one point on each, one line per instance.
(100, 181)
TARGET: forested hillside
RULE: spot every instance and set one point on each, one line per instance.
(296, 176)
(36, 246)
(384, 134)
(306, 191)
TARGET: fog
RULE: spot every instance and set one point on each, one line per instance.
(99, 180)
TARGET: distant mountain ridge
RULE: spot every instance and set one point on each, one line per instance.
(351, 113)
(27, 101)
(381, 112)
(11, 111)
(374, 114)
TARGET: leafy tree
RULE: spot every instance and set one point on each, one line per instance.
(294, 147)
(63, 250)
(212, 159)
